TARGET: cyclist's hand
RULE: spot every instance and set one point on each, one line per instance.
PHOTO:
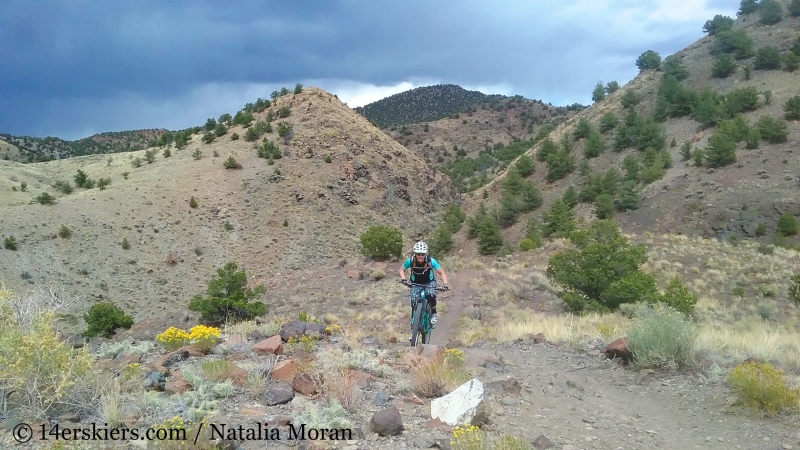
(402, 281)
(445, 288)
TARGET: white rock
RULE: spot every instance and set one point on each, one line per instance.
(465, 405)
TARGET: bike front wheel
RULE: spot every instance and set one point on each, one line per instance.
(415, 329)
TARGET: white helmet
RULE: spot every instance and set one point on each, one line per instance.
(420, 247)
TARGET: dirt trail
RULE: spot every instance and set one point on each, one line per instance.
(459, 292)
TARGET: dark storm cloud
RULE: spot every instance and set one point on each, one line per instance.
(75, 68)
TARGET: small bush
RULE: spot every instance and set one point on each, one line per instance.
(678, 297)
(45, 199)
(193, 202)
(526, 245)
(231, 163)
(103, 318)
(761, 229)
(125, 175)
(228, 297)
(64, 232)
(201, 336)
(761, 386)
(792, 108)
(103, 182)
(10, 243)
(381, 242)
(41, 375)
(661, 337)
(440, 375)
(125, 244)
(787, 225)
(794, 289)
(772, 130)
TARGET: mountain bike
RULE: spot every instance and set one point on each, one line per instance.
(421, 325)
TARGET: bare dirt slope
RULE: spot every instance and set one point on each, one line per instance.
(484, 124)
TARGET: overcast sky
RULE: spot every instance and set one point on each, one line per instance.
(74, 68)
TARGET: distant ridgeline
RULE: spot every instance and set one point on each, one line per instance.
(424, 104)
(32, 149)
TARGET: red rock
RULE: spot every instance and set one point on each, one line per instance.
(177, 385)
(269, 346)
(284, 370)
(618, 349)
(303, 384)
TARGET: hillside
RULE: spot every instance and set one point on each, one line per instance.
(727, 195)
(471, 146)
(276, 215)
(422, 104)
(33, 149)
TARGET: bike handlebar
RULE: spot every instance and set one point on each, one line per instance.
(410, 284)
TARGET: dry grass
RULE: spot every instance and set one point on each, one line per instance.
(434, 377)
(515, 323)
(217, 369)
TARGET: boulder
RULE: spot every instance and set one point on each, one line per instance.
(465, 405)
(303, 384)
(270, 346)
(387, 422)
(278, 395)
(284, 370)
(618, 349)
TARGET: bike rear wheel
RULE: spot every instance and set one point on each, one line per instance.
(415, 330)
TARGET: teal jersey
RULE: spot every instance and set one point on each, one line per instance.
(422, 274)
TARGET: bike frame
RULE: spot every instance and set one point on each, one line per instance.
(421, 325)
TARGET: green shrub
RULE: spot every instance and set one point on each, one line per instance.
(41, 375)
(794, 288)
(661, 337)
(103, 318)
(602, 258)
(794, 8)
(231, 163)
(604, 206)
(103, 182)
(767, 58)
(761, 229)
(791, 62)
(770, 12)
(10, 243)
(526, 245)
(718, 23)
(125, 244)
(792, 108)
(723, 67)
(648, 60)
(441, 242)
(64, 232)
(454, 217)
(678, 297)
(787, 225)
(45, 198)
(228, 298)
(762, 387)
(772, 130)
(381, 242)
(747, 7)
(490, 240)
(193, 202)
(733, 41)
(558, 221)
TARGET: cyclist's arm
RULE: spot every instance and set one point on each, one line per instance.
(402, 271)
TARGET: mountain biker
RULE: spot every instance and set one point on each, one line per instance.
(422, 272)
